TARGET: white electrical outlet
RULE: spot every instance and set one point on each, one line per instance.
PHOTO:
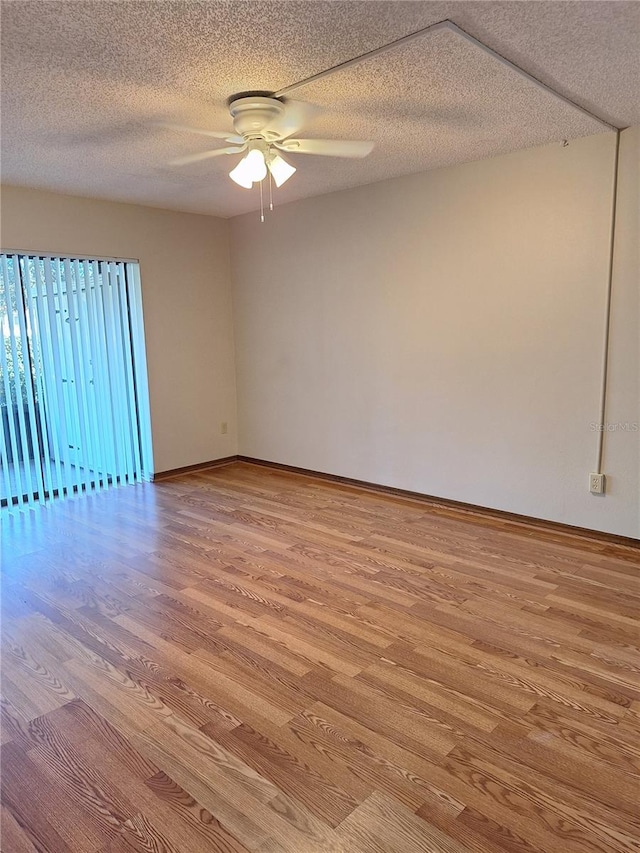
(596, 484)
(224, 428)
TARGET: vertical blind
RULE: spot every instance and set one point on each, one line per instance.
(74, 395)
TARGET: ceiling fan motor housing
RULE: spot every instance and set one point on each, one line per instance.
(252, 115)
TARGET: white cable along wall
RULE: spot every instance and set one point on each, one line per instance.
(74, 395)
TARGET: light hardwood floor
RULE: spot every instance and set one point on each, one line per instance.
(252, 660)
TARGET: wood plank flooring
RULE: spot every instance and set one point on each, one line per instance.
(252, 660)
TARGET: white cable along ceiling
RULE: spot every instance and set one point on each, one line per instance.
(84, 86)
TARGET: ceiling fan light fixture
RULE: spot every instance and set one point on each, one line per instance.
(250, 169)
(280, 169)
(264, 126)
(239, 175)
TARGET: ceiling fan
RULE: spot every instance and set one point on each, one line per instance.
(264, 126)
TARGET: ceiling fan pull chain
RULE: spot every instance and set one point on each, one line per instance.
(261, 204)
(270, 191)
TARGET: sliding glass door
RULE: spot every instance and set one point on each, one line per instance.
(73, 393)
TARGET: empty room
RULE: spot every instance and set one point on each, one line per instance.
(320, 441)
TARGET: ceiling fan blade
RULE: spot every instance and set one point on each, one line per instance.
(326, 147)
(205, 155)
(296, 115)
(216, 134)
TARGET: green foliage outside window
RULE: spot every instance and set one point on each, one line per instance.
(17, 372)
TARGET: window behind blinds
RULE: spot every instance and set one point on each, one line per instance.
(73, 393)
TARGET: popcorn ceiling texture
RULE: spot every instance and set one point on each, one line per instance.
(82, 83)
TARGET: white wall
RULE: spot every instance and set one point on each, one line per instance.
(184, 267)
(442, 332)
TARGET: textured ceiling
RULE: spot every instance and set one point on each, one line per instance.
(82, 83)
